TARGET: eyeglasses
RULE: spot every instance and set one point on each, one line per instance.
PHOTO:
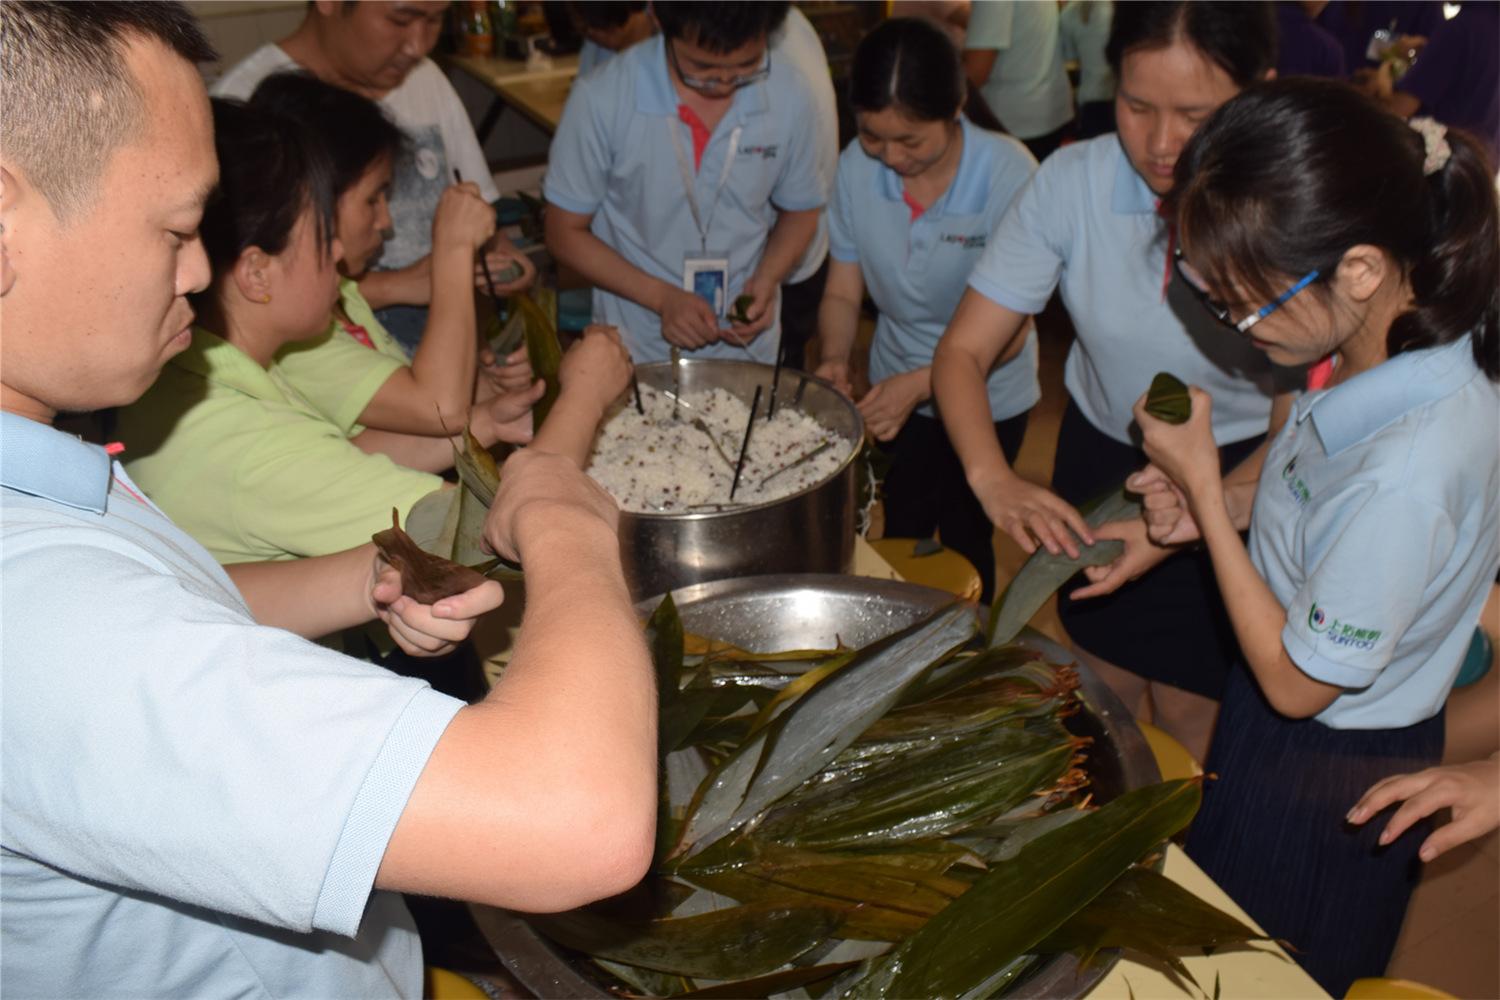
(701, 83)
(1219, 311)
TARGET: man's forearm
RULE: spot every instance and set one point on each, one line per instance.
(312, 597)
(786, 243)
(602, 265)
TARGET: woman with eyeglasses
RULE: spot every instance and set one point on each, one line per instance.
(1334, 235)
(913, 204)
(1089, 226)
(684, 175)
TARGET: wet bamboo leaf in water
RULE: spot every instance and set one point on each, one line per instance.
(425, 578)
(1146, 911)
(1020, 902)
(1044, 572)
(768, 986)
(1168, 399)
(734, 943)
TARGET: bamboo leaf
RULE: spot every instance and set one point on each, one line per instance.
(820, 724)
(1168, 399)
(737, 312)
(1146, 911)
(507, 338)
(476, 468)
(1044, 572)
(543, 350)
(734, 943)
(1022, 901)
(768, 986)
(425, 578)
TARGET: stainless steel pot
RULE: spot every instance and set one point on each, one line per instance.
(813, 611)
(808, 532)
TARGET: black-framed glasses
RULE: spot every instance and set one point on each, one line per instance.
(1218, 310)
(701, 83)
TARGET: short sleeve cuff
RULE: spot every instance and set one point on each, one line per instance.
(1005, 297)
(1320, 668)
(364, 390)
(846, 255)
(573, 205)
(812, 203)
(377, 807)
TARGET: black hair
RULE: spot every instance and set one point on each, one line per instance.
(353, 129)
(912, 65)
(1287, 176)
(720, 25)
(271, 169)
(601, 15)
(1239, 37)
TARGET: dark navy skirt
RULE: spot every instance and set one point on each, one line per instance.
(1272, 834)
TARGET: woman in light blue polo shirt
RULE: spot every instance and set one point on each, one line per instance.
(1375, 530)
(1087, 226)
(913, 204)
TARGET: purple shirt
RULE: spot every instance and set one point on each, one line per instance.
(1306, 49)
(1457, 77)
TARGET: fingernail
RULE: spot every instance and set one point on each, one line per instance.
(1427, 854)
(1385, 837)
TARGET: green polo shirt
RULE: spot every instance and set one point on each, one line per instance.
(336, 373)
(251, 469)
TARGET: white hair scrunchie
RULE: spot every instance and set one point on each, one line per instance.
(1435, 141)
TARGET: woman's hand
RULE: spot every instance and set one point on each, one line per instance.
(1025, 511)
(1185, 452)
(500, 254)
(1139, 556)
(514, 375)
(889, 402)
(1166, 515)
(463, 218)
(837, 372)
(1472, 791)
(687, 320)
(506, 416)
(422, 629)
(762, 312)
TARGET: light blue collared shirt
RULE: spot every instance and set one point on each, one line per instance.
(1087, 224)
(917, 270)
(613, 159)
(192, 803)
(1377, 526)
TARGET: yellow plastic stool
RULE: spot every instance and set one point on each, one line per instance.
(1172, 757)
(1380, 988)
(440, 984)
(945, 570)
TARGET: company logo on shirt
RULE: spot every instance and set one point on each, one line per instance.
(764, 152)
(964, 242)
(1294, 484)
(1341, 633)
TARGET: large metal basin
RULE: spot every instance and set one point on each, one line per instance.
(811, 611)
(808, 532)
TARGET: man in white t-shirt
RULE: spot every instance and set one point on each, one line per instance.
(380, 50)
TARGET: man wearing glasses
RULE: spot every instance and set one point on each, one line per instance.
(684, 176)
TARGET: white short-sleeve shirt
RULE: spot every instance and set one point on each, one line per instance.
(1028, 87)
(1087, 224)
(917, 270)
(428, 110)
(192, 803)
(613, 159)
(1377, 526)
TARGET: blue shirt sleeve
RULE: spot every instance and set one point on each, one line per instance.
(1024, 259)
(1365, 582)
(582, 152)
(990, 25)
(842, 243)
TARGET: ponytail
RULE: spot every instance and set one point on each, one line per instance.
(1286, 177)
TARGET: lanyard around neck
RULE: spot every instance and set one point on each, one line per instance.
(689, 183)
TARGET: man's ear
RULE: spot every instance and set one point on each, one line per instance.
(251, 276)
(1363, 270)
(326, 8)
(9, 191)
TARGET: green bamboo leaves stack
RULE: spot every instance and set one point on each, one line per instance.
(1044, 572)
(912, 800)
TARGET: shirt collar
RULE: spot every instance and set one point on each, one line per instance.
(1131, 195)
(219, 361)
(42, 461)
(1350, 413)
(968, 191)
(655, 95)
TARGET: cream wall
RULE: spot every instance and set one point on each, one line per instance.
(238, 27)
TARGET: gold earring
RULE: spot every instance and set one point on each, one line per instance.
(265, 298)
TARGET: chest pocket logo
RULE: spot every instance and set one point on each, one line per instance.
(764, 152)
(964, 242)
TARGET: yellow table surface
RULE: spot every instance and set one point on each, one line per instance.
(537, 94)
(1256, 971)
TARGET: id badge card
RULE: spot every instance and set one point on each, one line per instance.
(706, 275)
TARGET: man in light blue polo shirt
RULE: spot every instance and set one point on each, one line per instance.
(684, 170)
(196, 804)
